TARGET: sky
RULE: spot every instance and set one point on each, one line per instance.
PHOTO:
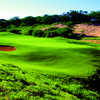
(22, 8)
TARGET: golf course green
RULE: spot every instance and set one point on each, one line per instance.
(46, 54)
(57, 65)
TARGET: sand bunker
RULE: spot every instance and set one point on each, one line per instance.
(7, 48)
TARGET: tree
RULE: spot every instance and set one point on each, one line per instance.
(78, 16)
(47, 19)
(64, 18)
(3, 24)
(38, 20)
(28, 21)
(95, 15)
(15, 21)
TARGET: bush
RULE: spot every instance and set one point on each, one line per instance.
(64, 32)
(30, 32)
(77, 36)
(37, 33)
(69, 23)
(51, 32)
(26, 30)
(55, 32)
(2, 29)
(16, 31)
(52, 29)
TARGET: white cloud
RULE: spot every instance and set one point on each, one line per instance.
(8, 15)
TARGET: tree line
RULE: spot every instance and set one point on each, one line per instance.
(74, 16)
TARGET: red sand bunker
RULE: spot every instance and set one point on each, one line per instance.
(7, 48)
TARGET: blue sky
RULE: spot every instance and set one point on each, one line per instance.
(21, 8)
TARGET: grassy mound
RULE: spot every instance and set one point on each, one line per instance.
(15, 84)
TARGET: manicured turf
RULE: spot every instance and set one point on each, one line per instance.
(49, 55)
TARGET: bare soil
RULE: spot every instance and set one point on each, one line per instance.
(88, 30)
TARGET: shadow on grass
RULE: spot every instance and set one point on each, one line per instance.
(94, 80)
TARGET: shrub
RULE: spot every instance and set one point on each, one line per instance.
(37, 33)
(16, 31)
(26, 30)
(54, 32)
(52, 29)
(30, 32)
(2, 29)
(69, 23)
(64, 32)
(78, 36)
(51, 32)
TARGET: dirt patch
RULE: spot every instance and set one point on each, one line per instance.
(89, 30)
(7, 48)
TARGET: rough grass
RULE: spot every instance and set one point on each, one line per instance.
(16, 84)
(91, 38)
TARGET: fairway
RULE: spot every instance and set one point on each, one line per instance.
(49, 55)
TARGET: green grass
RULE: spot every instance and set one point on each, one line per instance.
(63, 64)
(91, 38)
(51, 55)
(16, 84)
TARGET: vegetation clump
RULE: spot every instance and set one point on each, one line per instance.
(16, 84)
